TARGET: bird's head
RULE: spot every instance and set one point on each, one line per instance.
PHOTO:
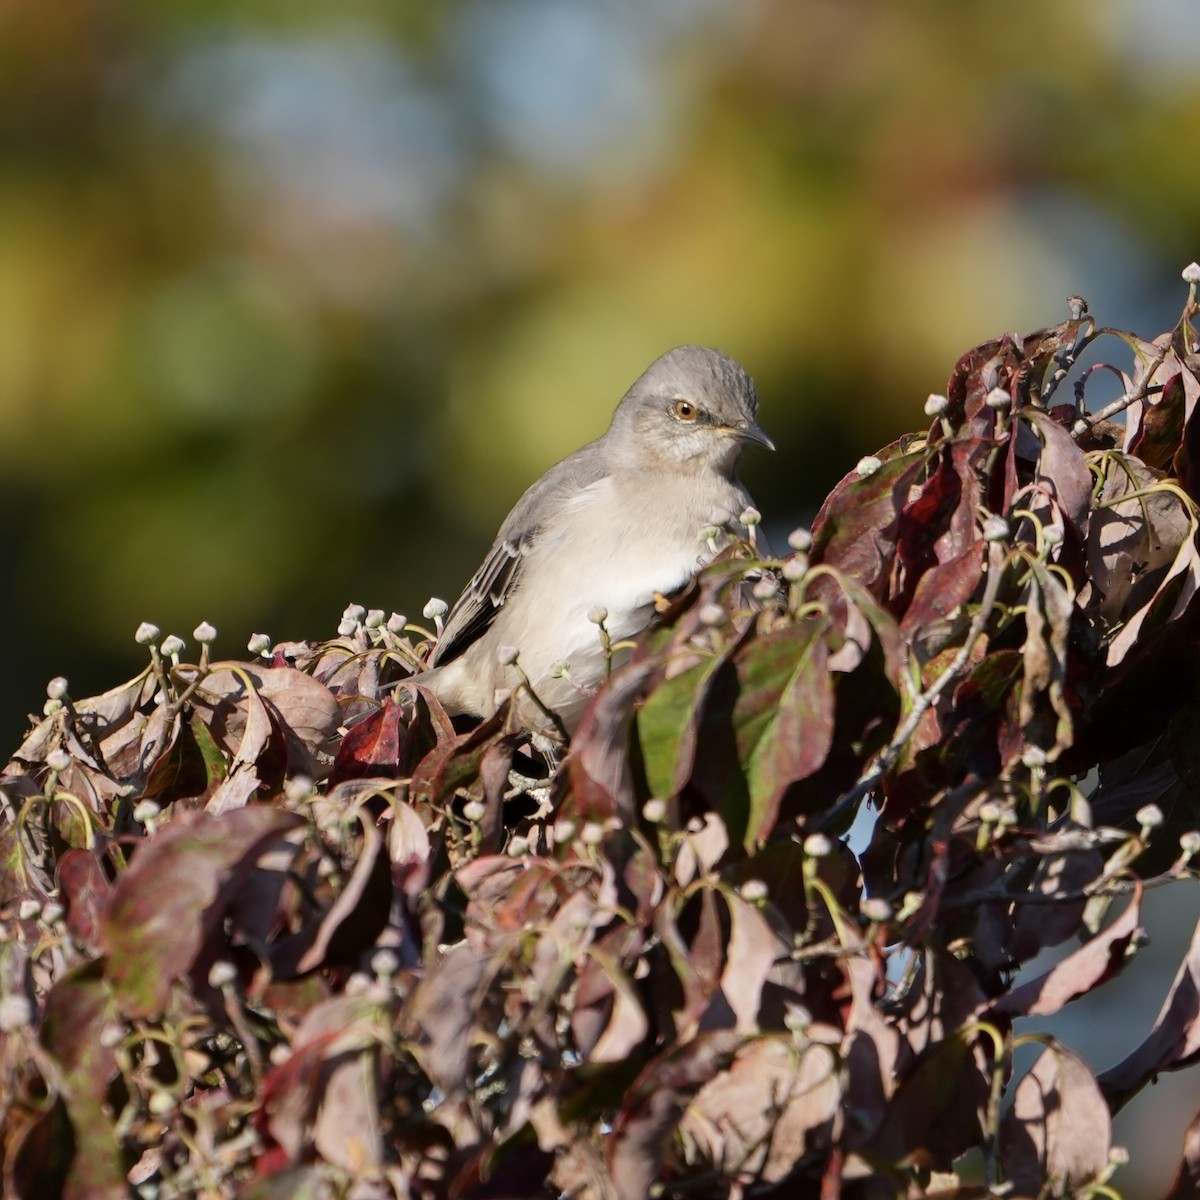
(692, 405)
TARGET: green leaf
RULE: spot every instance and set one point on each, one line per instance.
(767, 723)
(667, 724)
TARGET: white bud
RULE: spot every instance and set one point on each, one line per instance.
(374, 618)
(654, 810)
(1033, 757)
(753, 890)
(15, 1013)
(712, 615)
(750, 516)
(597, 614)
(517, 845)
(56, 689)
(29, 910)
(145, 811)
(146, 634)
(996, 529)
(435, 608)
(876, 908)
(222, 973)
(354, 612)
(358, 984)
(1052, 535)
(347, 627)
(259, 643)
(507, 655)
(58, 761)
(564, 830)
(817, 845)
(797, 1018)
(397, 623)
(172, 645)
(592, 833)
(720, 517)
(936, 405)
(205, 633)
(765, 588)
(474, 810)
(1189, 842)
(800, 540)
(51, 707)
(1191, 273)
(1150, 816)
(795, 568)
(990, 811)
(297, 788)
(998, 399)
(385, 962)
(867, 466)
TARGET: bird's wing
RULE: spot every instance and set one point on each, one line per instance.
(500, 573)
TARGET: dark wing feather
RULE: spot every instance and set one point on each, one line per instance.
(476, 608)
(497, 579)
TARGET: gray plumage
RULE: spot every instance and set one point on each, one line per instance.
(612, 526)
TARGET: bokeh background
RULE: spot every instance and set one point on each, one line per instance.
(296, 298)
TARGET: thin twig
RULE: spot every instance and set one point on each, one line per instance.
(1087, 422)
(996, 893)
(1064, 360)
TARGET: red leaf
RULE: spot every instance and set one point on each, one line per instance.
(942, 590)
(162, 907)
(374, 746)
(85, 888)
(352, 922)
(858, 524)
(922, 519)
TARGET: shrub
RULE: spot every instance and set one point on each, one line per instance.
(453, 966)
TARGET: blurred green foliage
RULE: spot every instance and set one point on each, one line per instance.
(294, 301)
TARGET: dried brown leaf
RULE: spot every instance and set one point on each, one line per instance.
(1057, 1136)
(777, 1102)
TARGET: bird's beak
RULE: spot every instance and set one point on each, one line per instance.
(752, 432)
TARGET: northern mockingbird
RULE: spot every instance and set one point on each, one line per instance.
(610, 528)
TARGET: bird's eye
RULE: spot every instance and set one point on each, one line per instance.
(685, 410)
